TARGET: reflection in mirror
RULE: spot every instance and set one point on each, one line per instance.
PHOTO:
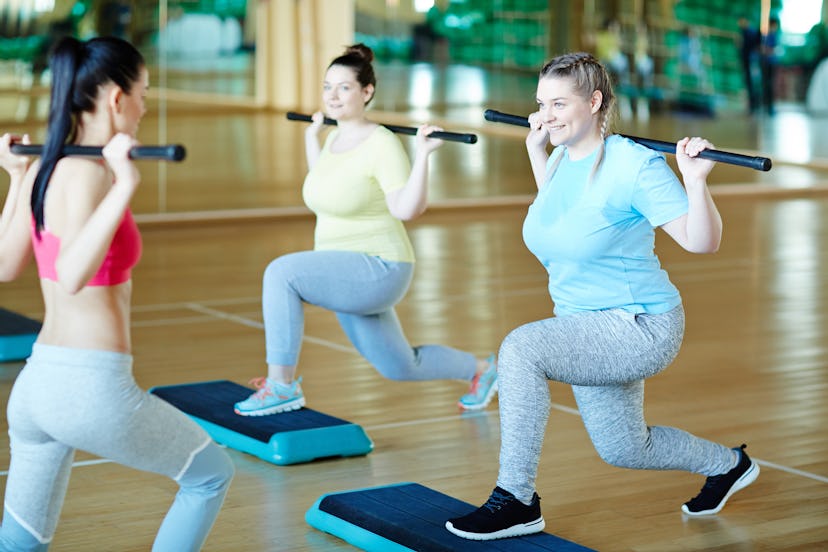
(200, 46)
(197, 47)
(206, 46)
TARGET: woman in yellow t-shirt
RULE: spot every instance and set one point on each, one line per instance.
(361, 187)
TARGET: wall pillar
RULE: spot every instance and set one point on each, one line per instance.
(295, 42)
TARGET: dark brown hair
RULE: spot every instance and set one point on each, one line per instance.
(79, 69)
(358, 57)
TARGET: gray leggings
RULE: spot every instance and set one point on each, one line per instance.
(362, 290)
(67, 399)
(605, 356)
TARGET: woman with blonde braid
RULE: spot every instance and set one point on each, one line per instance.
(618, 318)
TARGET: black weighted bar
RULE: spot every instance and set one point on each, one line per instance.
(757, 163)
(171, 152)
(411, 131)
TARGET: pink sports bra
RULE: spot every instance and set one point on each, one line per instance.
(123, 254)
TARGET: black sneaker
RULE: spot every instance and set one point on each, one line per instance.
(718, 488)
(502, 516)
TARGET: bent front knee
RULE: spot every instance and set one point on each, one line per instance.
(276, 271)
(517, 357)
(510, 349)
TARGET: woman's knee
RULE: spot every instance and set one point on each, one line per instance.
(279, 270)
(392, 357)
(396, 369)
(211, 470)
(514, 351)
(621, 454)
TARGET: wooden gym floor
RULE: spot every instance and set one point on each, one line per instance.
(752, 368)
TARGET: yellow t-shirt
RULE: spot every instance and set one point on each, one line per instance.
(347, 193)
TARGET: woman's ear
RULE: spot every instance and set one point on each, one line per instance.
(596, 101)
(368, 93)
(114, 98)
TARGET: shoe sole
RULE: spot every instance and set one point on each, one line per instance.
(747, 478)
(486, 400)
(285, 407)
(514, 531)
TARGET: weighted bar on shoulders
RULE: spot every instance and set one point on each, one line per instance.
(757, 163)
(411, 131)
(171, 152)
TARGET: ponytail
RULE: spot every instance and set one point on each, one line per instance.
(61, 123)
(79, 69)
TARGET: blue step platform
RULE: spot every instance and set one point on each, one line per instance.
(410, 517)
(17, 335)
(286, 438)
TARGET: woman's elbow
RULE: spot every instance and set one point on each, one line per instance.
(71, 289)
(71, 285)
(407, 214)
(69, 281)
(8, 274)
(408, 217)
(11, 267)
(704, 248)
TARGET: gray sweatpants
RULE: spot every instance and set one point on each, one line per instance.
(362, 290)
(67, 399)
(605, 356)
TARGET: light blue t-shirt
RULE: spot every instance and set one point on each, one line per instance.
(596, 239)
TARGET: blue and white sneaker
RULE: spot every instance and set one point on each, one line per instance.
(271, 397)
(482, 390)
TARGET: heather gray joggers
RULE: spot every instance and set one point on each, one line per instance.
(605, 356)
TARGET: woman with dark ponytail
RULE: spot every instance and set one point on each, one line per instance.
(77, 390)
(618, 318)
(361, 186)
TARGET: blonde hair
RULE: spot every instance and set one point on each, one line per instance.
(587, 75)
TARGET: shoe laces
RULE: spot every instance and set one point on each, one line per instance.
(711, 487)
(474, 387)
(263, 389)
(475, 384)
(712, 482)
(497, 501)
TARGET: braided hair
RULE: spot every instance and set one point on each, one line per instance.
(587, 75)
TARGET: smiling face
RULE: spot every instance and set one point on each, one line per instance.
(342, 95)
(571, 119)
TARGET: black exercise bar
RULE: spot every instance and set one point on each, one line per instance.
(757, 163)
(411, 131)
(172, 152)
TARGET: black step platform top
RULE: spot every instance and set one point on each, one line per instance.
(415, 516)
(213, 401)
(12, 323)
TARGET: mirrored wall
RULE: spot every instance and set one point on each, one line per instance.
(199, 53)
(198, 46)
(222, 73)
